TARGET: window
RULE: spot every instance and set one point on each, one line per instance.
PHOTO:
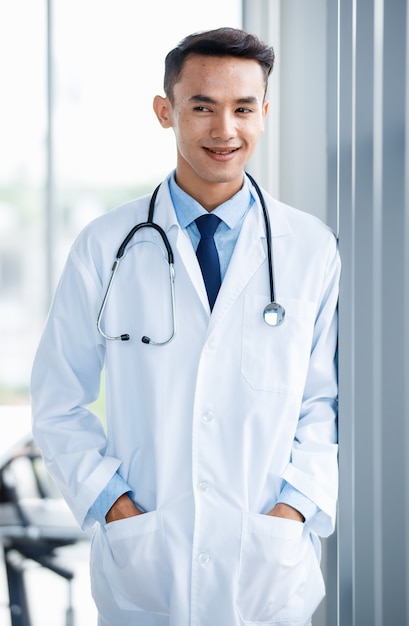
(96, 144)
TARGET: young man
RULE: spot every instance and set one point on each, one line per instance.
(218, 468)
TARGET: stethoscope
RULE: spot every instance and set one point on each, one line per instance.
(273, 313)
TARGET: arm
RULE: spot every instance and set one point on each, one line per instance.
(113, 503)
(313, 467)
(65, 381)
(287, 511)
(122, 507)
(292, 504)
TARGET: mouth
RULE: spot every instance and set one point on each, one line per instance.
(222, 152)
(221, 155)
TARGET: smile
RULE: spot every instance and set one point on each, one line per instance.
(222, 151)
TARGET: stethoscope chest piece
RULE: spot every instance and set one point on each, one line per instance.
(274, 314)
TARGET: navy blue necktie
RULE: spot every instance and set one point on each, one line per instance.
(207, 255)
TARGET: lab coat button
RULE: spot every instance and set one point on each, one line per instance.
(208, 416)
(204, 558)
(204, 486)
(211, 344)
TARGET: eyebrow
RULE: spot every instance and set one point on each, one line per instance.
(202, 98)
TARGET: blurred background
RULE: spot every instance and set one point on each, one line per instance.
(78, 136)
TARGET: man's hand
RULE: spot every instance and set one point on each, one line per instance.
(123, 507)
(287, 511)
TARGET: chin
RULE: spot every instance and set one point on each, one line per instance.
(220, 176)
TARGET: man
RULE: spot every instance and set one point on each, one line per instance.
(218, 468)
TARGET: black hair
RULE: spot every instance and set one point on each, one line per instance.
(217, 43)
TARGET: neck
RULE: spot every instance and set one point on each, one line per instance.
(209, 194)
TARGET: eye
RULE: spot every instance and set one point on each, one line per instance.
(243, 110)
(202, 109)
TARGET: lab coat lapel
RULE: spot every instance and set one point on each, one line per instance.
(249, 254)
(181, 243)
(191, 264)
(247, 257)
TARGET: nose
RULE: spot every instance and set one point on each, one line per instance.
(224, 126)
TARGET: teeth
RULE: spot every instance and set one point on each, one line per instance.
(219, 152)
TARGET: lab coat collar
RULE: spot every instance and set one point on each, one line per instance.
(250, 252)
(248, 255)
(278, 220)
(165, 213)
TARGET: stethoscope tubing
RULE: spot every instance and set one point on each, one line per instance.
(272, 310)
(268, 237)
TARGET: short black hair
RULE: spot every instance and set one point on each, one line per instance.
(217, 43)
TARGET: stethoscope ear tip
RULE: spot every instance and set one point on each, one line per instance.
(273, 313)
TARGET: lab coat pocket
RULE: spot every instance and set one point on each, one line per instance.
(280, 581)
(275, 358)
(135, 563)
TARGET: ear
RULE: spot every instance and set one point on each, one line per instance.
(163, 111)
(265, 111)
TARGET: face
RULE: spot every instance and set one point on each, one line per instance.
(217, 116)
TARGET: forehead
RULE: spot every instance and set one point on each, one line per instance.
(212, 75)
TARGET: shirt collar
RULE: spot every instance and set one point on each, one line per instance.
(187, 209)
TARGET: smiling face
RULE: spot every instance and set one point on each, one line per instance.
(217, 114)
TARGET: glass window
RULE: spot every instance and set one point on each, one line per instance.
(22, 174)
(105, 145)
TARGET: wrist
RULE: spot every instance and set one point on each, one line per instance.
(286, 511)
(123, 507)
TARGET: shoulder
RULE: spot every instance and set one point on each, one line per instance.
(302, 236)
(103, 235)
(118, 219)
(288, 219)
(115, 225)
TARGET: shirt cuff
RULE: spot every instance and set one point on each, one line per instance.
(115, 488)
(291, 496)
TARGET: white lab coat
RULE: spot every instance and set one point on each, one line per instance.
(203, 429)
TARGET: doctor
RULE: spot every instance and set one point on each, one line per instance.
(217, 470)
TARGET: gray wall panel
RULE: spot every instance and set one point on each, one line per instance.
(364, 97)
(373, 364)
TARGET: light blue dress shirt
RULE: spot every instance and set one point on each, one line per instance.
(232, 214)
